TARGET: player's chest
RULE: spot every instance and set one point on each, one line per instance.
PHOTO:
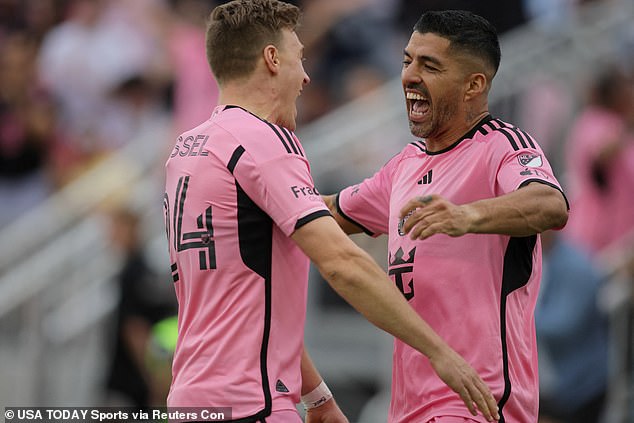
(460, 180)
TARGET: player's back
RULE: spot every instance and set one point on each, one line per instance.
(232, 260)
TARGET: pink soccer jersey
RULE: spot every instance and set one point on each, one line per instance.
(236, 188)
(477, 291)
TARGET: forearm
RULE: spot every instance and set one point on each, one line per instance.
(364, 285)
(310, 375)
(347, 226)
(529, 210)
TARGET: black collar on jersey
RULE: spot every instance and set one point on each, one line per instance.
(466, 136)
(233, 106)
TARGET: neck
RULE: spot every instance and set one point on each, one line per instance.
(254, 97)
(454, 131)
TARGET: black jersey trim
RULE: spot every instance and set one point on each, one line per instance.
(255, 239)
(275, 130)
(488, 127)
(520, 137)
(550, 184)
(524, 138)
(517, 270)
(419, 145)
(530, 140)
(509, 137)
(296, 148)
(349, 219)
(310, 217)
(288, 150)
(466, 136)
(235, 156)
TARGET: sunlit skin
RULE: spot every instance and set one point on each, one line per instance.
(445, 92)
(290, 80)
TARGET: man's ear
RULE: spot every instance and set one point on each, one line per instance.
(271, 58)
(476, 86)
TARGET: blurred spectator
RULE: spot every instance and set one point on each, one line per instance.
(32, 17)
(545, 108)
(345, 41)
(135, 108)
(143, 302)
(82, 60)
(28, 131)
(551, 15)
(195, 92)
(600, 164)
(554, 15)
(572, 334)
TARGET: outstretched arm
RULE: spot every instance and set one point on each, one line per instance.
(356, 277)
(529, 210)
(346, 225)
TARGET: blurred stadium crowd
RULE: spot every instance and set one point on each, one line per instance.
(79, 79)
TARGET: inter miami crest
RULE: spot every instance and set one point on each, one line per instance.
(399, 267)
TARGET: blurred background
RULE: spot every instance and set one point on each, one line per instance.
(94, 92)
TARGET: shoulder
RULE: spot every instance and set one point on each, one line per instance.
(500, 135)
(413, 150)
(262, 139)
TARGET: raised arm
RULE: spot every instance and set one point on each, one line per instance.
(355, 276)
(529, 210)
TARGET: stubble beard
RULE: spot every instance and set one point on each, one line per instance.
(440, 116)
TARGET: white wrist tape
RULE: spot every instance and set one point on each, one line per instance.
(318, 396)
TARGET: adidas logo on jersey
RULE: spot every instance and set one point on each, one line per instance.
(280, 387)
(426, 179)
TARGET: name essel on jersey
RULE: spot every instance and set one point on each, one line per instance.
(190, 146)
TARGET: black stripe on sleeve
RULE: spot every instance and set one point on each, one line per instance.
(490, 126)
(291, 141)
(541, 181)
(288, 150)
(529, 139)
(509, 137)
(233, 161)
(310, 217)
(520, 136)
(299, 147)
(349, 219)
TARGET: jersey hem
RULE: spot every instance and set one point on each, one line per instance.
(550, 184)
(349, 219)
(310, 217)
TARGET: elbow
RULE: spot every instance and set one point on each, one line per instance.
(340, 275)
(557, 215)
(560, 220)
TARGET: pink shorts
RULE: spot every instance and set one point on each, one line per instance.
(451, 419)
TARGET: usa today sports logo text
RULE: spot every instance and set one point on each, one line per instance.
(114, 414)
